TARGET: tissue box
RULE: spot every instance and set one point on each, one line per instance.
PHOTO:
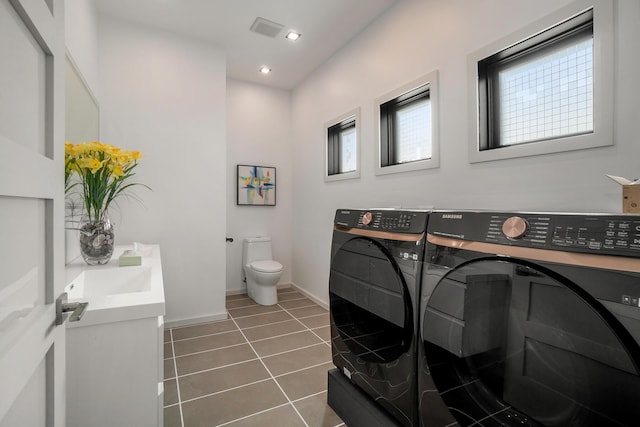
(630, 194)
(129, 258)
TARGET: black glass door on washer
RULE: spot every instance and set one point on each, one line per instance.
(376, 269)
(533, 326)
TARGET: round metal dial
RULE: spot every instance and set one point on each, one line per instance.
(367, 218)
(515, 227)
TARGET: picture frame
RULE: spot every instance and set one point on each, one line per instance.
(256, 185)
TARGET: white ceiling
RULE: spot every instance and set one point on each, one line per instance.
(326, 26)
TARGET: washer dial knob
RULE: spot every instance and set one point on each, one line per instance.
(515, 227)
(367, 218)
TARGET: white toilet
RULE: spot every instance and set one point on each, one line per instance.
(261, 272)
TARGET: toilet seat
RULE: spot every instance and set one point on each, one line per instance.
(266, 266)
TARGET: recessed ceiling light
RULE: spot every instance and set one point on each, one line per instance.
(292, 35)
(265, 70)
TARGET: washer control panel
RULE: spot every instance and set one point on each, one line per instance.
(590, 233)
(394, 221)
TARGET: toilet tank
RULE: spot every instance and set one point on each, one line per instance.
(256, 249)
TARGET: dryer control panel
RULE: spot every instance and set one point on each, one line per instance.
(588, 233)
(393, 221)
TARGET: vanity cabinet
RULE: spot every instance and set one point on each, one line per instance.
(115, 361)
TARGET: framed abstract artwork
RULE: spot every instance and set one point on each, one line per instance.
(256, 185)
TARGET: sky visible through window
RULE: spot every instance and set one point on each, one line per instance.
(413, 132)
(348, 150)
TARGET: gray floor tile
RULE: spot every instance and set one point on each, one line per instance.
(241, 302)
(263, 319)
(214, 359)
(168, 350)
(235, 296)
(232, 404)
(169, 369)
(296, 303)
(307, 311)
(253, 310)
(272, 330)
(170, 392)
(316, 412)
(282, 416)
(306, 382)
(172, 416)
(292, 341)
(316, 321)
(323, 332)
(289, 296)
(215, 380)
(221, 380)
(298, 359)
(210, 342)
(202, 329)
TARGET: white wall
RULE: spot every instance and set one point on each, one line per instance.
(258, 133)
(165, 95)
(81, 39)
(412, 39)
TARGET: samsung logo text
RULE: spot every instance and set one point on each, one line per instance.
(451, 216)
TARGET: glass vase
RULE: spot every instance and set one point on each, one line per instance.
(97, 240)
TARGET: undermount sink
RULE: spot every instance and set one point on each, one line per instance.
(121, 280)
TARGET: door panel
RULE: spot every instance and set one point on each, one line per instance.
(31, 212)
(22, 83)
(22, 281)
(29, 409)
(507, 340)
(369, 301)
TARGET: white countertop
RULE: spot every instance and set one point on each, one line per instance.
(141, 301)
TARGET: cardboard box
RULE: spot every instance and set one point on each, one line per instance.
(630, 194)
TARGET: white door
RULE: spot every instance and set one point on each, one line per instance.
(32, 347)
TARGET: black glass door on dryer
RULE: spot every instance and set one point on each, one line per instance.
(374, 290)
(510, 341)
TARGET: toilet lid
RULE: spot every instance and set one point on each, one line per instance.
(266, 266)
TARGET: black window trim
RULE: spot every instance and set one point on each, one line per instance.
(604, 91)
(387, 125)
(574, 28)
(332, 142)
(334, 145)
(429, 80)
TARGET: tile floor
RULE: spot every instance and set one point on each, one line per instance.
(264, 366)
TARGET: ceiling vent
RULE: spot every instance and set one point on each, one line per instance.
(266, 27)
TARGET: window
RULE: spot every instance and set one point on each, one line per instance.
(407, 127)
(342, 156)
(544, 93)
(342, 147)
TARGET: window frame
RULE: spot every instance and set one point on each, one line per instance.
(481, 150)
(409, 92)
(332, 155)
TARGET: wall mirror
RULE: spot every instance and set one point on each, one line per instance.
(82, 124)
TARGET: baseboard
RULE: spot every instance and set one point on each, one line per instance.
(195, 320)
(312, 297)
(240, 291)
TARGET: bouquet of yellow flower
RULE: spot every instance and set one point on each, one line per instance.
(104, 172)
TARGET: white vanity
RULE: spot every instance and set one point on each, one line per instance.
(115, 352)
